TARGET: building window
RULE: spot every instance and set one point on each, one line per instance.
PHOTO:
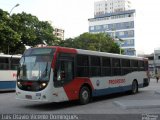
(105, 27)
(151, 58)
(131, 33)
(98, 27)
(127, 25)
(130, 42)
(92, 28)
(121, 33)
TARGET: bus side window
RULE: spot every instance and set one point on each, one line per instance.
(82, 68)
(116, 69)
(14, 63)
(65, 71)
(4, 63)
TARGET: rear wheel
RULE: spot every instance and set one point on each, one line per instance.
(134, 87)
(84, 95)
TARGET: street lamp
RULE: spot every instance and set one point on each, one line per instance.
(10, 15)
(121, 42)
(115, 38)
(13, 8)
(154, 62)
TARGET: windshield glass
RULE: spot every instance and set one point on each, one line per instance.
(34, 67)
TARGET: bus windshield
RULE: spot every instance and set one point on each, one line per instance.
(35, 66)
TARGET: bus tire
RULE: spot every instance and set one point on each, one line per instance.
(84, 95)
(134, 87)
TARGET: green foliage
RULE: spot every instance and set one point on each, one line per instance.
(96, 42)
(8, 37)
(32, 30)
(23, 29)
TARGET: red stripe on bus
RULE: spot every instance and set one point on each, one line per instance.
(72, 89)
(62, 50)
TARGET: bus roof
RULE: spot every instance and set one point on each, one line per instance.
(105, 54)
(95, 53)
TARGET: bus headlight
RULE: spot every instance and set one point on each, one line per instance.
(19, 84)
(43, 84)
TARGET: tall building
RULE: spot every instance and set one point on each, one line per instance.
(116, 18)
(59, 33)
(111, 6)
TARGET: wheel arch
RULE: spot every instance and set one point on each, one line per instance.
(133, 91)
(88, 86)
(135, 80)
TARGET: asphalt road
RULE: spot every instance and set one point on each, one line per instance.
(99, 107)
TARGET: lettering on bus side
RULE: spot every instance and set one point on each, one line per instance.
(117, 81)
(14, 75)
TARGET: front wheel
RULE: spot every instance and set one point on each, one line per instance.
(134, 87)
(84, 95)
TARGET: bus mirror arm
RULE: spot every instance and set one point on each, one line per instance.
(18, 72)
(62, 75)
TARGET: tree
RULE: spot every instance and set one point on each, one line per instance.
(31, 30)
(22, 29)
(88, 41)
(8, 37)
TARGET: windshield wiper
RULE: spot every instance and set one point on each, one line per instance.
(46, 69)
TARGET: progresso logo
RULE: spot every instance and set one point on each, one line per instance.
(97, 82)
(117, 81)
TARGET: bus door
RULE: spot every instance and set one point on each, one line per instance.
(64, 71)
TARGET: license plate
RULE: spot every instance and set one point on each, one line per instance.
(38, 94)
(28, 96)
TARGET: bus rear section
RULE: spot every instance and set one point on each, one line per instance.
(55, 74)
(8, 71)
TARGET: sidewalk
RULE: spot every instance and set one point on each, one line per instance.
(150, 100)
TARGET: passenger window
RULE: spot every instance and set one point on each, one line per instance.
(82, 66)
(116, 69)
(65, 71)
(95, 67)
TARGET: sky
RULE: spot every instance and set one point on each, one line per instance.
(73, 15)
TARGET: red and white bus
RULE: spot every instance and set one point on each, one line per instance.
(55, 74)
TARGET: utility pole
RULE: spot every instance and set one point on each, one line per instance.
(9, 16)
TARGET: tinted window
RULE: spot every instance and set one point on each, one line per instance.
(115, 62)
(4, 63)
(106, 62)
(141, 63)
(146, 65)
(82, 66)
(95, 61)
(125, 63)
(134, 63)
(95, 67)
(14, 63)
(106, 66)
(82, 60)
